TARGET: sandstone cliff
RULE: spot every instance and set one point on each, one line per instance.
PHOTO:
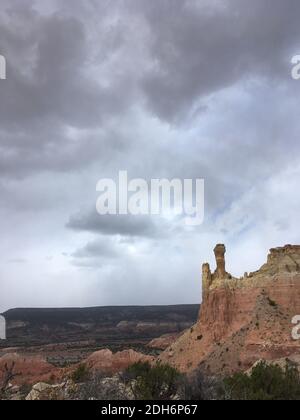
(243, 320)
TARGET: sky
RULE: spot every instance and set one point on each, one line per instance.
(188, 89)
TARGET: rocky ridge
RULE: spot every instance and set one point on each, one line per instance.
(242, 319)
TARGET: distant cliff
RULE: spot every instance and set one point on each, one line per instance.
(243, 320)
(119, 325)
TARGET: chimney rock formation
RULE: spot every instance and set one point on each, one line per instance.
(243, 319)
(220, 275)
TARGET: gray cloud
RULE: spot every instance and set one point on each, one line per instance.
(96, 254)
(198, 49)
(102, 248)
(52, 90)
(175, 88)
(67, 72)
(124, 225)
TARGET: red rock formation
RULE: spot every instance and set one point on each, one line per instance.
(243, 320)
(107, 362)
(29, 370)
(220, 259)
(34, 369)
(164, 341)
(219, 275)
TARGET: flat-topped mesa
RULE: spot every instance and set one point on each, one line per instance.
(290, 250)
(220, 275)
(284, 259)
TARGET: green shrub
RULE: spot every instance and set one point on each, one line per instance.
(266, 383)
(81, 374)
(139, 369)
(198, 386)
(158, 382)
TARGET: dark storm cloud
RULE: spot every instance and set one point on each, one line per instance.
(50, 88)
(55, 149)
(49, 79)
(198, 48)
(68, 69)
(124, 225)
(168, 88)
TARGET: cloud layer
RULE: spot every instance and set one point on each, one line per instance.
(175, 88)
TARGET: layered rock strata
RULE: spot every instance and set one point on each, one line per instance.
(243, 319)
